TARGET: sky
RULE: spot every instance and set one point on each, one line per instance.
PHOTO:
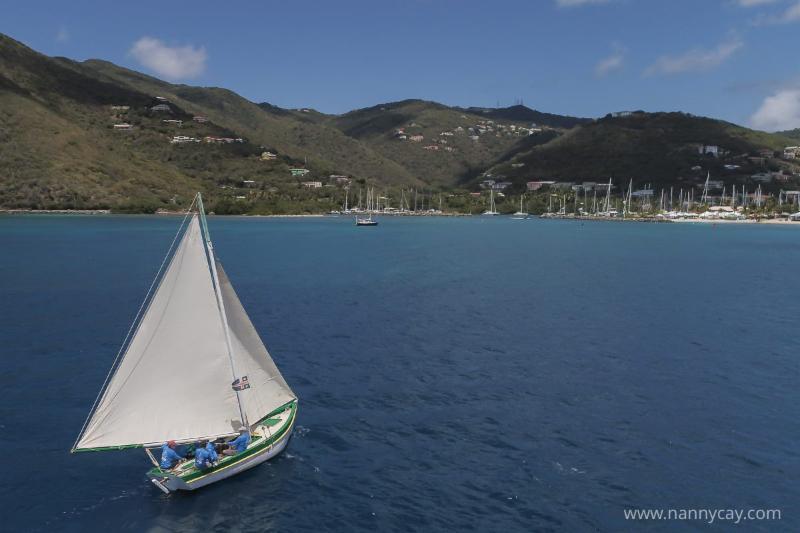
(731, 59)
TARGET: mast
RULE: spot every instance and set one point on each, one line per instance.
(221, 306)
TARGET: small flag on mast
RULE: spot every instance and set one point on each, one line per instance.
(241, 383)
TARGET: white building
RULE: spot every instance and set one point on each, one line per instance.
(705, 149)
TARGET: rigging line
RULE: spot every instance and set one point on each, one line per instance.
(134, 324)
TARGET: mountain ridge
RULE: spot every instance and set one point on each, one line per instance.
(60, 146)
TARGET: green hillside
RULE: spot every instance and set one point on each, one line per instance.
(791, 134)
(655, 148)
(520, 113)
(454, 144)
(62, 145)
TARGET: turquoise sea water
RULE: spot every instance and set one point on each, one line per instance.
(466, 373)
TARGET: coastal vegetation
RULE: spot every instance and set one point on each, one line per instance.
(93, 135)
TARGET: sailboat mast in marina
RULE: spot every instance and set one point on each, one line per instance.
(193, 368)
(492, 211)
(520, 215)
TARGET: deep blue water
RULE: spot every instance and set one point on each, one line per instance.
(453, 374)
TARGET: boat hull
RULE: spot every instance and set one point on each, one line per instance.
(266, 444)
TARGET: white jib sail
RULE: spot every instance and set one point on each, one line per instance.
(174, 380)
(268, 390)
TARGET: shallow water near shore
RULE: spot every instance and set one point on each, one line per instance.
(453, 373)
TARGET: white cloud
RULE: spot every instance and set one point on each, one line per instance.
(62, 35)
(698, 59)
(789, 15)
(611, 63)
(781, 111)
(792, 14)
(752, 3)
(573, 3)
(172, 62)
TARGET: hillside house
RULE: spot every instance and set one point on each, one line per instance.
(708, 149)
(517, 165)
(312, 184)
(161, 107)
(416, 138)
(475, 138)
(173, 122)
(122, 127)
(222, 140)
(433, 147)
(120, 108)
(791, 152)
(762, 177)
(161, 99)
(182, 139)
(536, 185)
(200, 119)
(299, 172)
(618, 114)
(268, 156)
(446, 134)
(248, 183)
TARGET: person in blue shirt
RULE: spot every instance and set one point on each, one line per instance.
(202, 458)
(212, 452)
(239, 444)
(169, 457)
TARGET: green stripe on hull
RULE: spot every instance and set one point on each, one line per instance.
(233, 460)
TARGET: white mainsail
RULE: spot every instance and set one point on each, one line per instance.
(268, 390)
(174, 380)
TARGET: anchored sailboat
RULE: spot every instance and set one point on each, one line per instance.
(492, 211)
(192, 368)
(520, 215)
(367, 220)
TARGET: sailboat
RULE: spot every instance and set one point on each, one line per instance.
(192, 368)
(492, 209)
(367, 220)
(520, 215)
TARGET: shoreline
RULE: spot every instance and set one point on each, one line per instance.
(649, 220)
(762, 221)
